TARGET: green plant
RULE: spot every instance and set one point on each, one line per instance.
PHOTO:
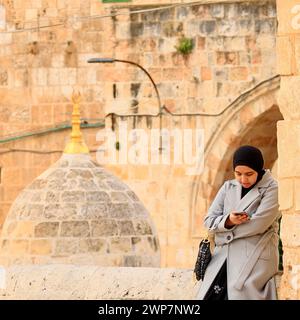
(185, 45)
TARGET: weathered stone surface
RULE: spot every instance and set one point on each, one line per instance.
(87, 185)
(115, 185)
(118, 197)
(132, 196)
(41, 247)
(95, 211)
(98, 196)
(30, 211)
(121, 210)
(96, 283)
(132, 261)
(104, 227)
(73, 196)
(289, 97)
(52, 196)
(65, 247)
(126, 228)
(57, 174)
(57, 184)
(75, 229)
(93, 245)
(37, 184)
(120, 245)
(142, 227)
(46, 229)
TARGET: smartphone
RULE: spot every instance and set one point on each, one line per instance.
(241, 213)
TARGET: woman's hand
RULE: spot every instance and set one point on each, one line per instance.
(236, 219)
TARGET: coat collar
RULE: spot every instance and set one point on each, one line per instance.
(255, 192)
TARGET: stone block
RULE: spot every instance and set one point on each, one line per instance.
(93, 246)
(65, 247)
(6, 38)
(52, 12)
(41, 247)
(115, 185)
(245, 10)
(46, 229)
(132, 261)
(30, 211)
(125, 228)
(217, 10)
(95, 211)
(284, 193)
(182, 13)
(118, 197)
(266, 26)
(142, 227)
(224, 58)
(52, 196)
(31, 14)
(207, 28)
(18, 247)
(296, 194)
(288, 150)
(297, 55)
(73, 196)
(120, 245)
(87, 185)
(246, 27)
(290, 226)
(136, 29)
(228, 28)
(234, 43)
(132, 196)
(75, 229)
(238, 73)
(20, 229)
(104, 228)
(121, 210)
(97, 196)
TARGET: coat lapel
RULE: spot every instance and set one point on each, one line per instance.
(254, 193)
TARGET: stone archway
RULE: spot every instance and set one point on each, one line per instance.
(252, 120)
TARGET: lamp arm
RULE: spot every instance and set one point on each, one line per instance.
(148, 74)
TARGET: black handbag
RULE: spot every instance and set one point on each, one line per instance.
(203, 259)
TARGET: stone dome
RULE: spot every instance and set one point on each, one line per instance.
(76, 212)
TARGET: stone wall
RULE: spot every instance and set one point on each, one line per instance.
(288, 44)
(233, 52)
(68, 282)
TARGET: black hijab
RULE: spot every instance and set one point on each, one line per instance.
(251, 157)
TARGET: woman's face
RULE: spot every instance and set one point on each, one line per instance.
(245, 176)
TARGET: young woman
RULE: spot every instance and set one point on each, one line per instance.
(244, 219)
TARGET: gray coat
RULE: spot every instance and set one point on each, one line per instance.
(251, 249)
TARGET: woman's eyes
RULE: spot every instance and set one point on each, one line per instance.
(247, 174)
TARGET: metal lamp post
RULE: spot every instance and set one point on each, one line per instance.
(112, 60)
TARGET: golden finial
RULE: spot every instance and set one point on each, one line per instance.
(76, 145)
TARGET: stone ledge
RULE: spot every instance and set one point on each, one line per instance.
(65, 282)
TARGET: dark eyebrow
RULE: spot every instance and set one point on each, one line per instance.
(245, 172)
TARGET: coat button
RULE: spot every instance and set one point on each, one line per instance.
(228, 237)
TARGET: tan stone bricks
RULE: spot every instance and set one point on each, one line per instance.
(40, 247)
(239, 74)
(46, 229)
(286, 197)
